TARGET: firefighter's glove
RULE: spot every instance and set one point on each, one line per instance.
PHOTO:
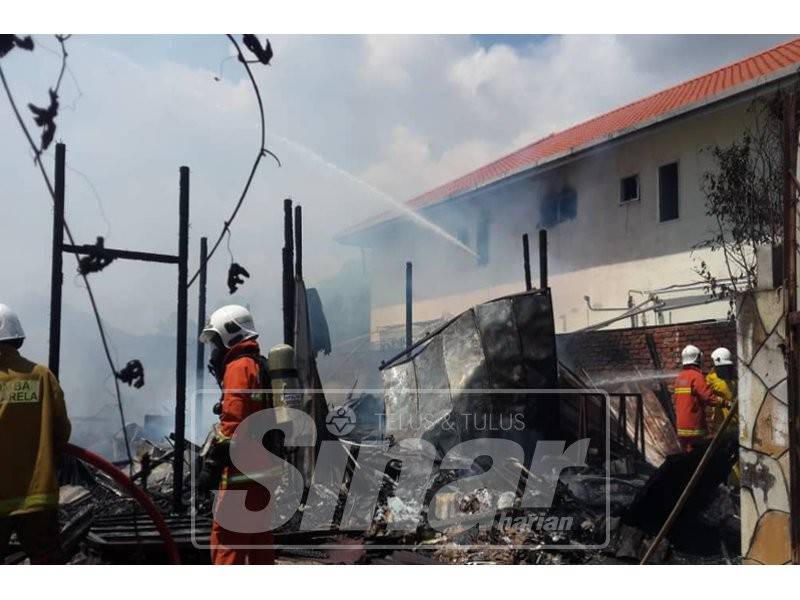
(216, 460)
(210, 475)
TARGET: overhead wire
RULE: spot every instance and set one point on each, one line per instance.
(74, 104)
(90, 293)
(92, 188)
(262, 151)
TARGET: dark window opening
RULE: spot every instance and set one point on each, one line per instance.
(668, 192)
(559, 207)
(629, 189)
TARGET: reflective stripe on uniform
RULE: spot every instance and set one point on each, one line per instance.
(683, 390)
(28, 503)
(691, 432)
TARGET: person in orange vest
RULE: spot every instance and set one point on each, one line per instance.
(236, 363)
(691, 396)
(34, 428)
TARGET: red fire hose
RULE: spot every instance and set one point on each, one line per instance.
(124, 481)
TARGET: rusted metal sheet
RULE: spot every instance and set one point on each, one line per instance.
(503, 345)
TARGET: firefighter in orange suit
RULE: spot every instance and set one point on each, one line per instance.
(691, 396)
(33, 430)
(236, 364)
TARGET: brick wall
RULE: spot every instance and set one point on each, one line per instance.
(625, 349)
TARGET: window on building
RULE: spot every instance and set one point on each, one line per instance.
(668, 192)
(629, 189)
(559, 207)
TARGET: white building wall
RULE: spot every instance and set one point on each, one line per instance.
(605, 251)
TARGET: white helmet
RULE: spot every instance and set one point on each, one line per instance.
(721, 357)
(691, 355)
(10, 327)
(232, 323)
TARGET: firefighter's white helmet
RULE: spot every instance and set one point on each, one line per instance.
(10, 327)
(721, 357)
(691, 355)
(232, 323)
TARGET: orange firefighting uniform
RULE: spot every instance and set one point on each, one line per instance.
(33, 429)
(691, 396)
(241, 373)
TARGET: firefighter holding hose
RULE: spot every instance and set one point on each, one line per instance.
(34, 429)
(691, 396)
(237, 364)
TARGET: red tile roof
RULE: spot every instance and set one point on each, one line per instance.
(699, 90)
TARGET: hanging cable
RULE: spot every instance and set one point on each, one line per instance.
(262, 151)
(74, 103)
(236, 272)
(89, 291)
(92, 188)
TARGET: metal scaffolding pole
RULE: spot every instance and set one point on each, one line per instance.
(543, 259)
(288, 274)
(298, 241)
(200, 366)
(409, 306)
(180, 353)
(789, 160)
(526, 262)
(99, 250)
(57, 275)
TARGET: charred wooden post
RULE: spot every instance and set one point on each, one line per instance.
(543, 259)
(288, 274)
(288, 336)
(630, 306)
(526, 262)
(115, 253)
(298, 241)
(180, 354)
(409, 316)
(200, 366)
(56, 274)
(790, 138)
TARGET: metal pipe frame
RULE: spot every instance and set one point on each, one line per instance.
(200, 367)
(180, 350)
(59, 247)
(57, 265)
(114, 253)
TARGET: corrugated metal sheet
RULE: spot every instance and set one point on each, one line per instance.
(468, 373)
